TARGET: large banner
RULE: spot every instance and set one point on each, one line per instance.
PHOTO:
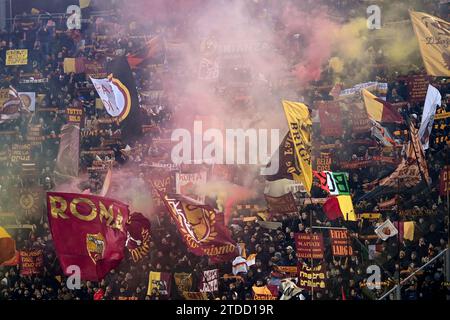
(309, 246)
(69, 150)
(159, 283)
(138, 236)
(417, 86)
(187, 182)
(31, 262)
(359, 118)
(432, 34)
(183, 281)
(330, 119)
(202, 228)
(28, 100)
(210, 281)
(444, 181)
(300, 127)
(88, 231)
(336, 183)
(324, 161)
(20, 152)
(163, 181)
(283, 204)
(341, 244)
(16, 57)
(311, 277)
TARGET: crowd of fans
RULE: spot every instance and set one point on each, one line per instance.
(49, 43)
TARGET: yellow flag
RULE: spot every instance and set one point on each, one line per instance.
(7, 246)
(85, 3)
(300, 124)
(346, 206)
(408, 230)
(433, 34)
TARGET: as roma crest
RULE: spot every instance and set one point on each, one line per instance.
(95, 245)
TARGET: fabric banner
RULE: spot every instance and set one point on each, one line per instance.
(183, 281)
(69, 151)
(201, 228)
(417, 86)
(432, 100)
(28, 100)
(386, 230)
(288, 167)
(262, 293)
(163, 181)
(31, 262)
(283, 204)
(210, 281)
(34, 134)
(359, 119)
(300, 127)
(413, 167)
(444, 181)
(336, 183)
(114, 95)
(432, 35)
(309, 246)
(16, 57)
(382, 134)
(88, 231)
(330, 119)
(7, 246)
(311, 277)
(30, 201)
(341, 244)
(14, 261)
(20, 152)
(159, 283)
(324, 161)
(74, 115)
(380, 110)
(187, 182)
(138, 236)
(340, 207)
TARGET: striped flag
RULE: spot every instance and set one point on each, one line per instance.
(380, 110)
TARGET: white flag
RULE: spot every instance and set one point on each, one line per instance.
(386, 230)
(114, 95)
(239, 265)
(432, 100)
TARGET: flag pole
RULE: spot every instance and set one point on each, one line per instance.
(310, 241)
(447, 182)
(398, 292)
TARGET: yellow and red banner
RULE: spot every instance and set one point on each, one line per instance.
(7, 246)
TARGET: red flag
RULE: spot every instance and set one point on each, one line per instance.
(201, 228)
(332, 209)
(138, 236)
(89, 231)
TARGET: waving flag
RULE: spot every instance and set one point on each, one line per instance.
(432, 34)
(88, 231)
(432, 100)
(300, 127)
(201, 227)
(386, 230)
(7, 246)
(340, 206)
(380, 110)
(336, 183)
